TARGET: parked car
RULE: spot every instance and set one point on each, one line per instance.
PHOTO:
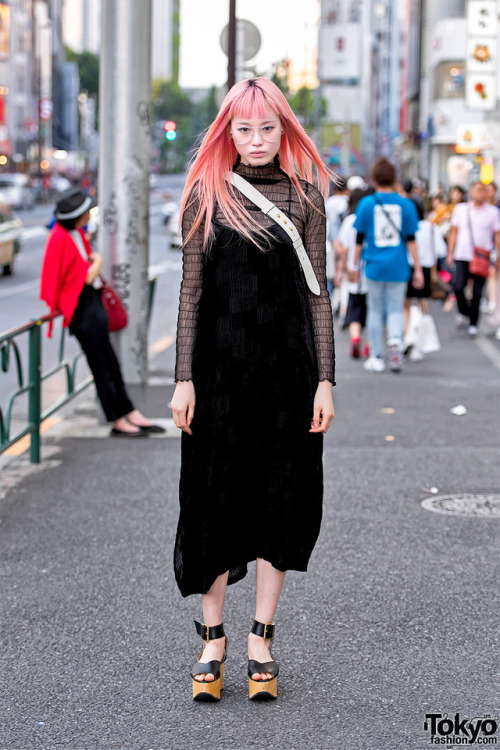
(17, 190)
(11, 229)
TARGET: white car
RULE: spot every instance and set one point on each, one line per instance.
(10, 237)
(17, 190)
(171, 215)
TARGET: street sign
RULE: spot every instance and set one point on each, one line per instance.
(251, 38)
(45, 109)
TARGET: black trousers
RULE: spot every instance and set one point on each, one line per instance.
(462, 276)
(90, 326)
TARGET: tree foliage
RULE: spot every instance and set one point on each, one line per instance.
(88, 69)
(169, 100)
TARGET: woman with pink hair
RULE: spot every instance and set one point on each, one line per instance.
(254, 369)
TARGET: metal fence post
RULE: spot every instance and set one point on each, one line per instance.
(35, 390)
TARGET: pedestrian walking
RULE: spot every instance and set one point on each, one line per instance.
(336, 211)
(70, 284)
(493, 277)
(345, 248)
(254, 369)
(386, 224)
(408, 192)
(475, 231)
(431, 247)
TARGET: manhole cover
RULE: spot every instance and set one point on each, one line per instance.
(485, 506)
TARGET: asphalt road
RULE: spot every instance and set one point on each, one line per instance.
(396, 618)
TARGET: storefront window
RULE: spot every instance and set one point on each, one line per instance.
(449, 80)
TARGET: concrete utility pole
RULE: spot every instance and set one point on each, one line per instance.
(231, 51)
(124, 167)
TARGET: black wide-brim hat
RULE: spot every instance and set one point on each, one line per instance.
(72, 204)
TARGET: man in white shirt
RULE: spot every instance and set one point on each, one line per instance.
(473, 224)
(336, 208)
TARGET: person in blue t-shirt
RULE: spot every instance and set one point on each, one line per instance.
(386, 225)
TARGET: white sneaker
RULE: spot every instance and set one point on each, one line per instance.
(416, 355)
(473, 330)
(487, 306)
(461, 321)
(374, 364)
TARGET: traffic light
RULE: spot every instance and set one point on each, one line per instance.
(170, 127)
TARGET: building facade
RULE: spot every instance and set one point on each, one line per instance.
(359, 64)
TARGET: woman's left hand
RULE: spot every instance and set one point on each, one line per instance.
(323, 407)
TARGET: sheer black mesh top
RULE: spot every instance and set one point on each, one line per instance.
(311, 224)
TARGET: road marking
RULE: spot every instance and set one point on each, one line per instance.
(161, 345)
(23, 444)
(490, 351)
(28, 286)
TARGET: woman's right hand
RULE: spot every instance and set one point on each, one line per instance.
(353, 275)
(183, 405)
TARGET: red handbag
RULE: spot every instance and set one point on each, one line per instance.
(480, 263)
(117, 314)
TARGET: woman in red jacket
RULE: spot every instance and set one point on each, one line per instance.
(70, 284)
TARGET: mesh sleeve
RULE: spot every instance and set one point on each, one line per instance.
(192, 276)
(320, 306)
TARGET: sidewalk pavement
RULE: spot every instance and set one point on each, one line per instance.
(396, 618)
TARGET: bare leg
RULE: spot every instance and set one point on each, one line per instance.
(355, 330)
(492, 288)
(213, 614)
(406, 312)
(269, 585)
(424, 304)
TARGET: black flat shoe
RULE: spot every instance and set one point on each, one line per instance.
(121, 433)
(153, 429)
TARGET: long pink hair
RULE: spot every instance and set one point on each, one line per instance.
(217, 154)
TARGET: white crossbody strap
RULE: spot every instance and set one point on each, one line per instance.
(283, 220)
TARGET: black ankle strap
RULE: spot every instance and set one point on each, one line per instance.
(263, 630)
(209, 633)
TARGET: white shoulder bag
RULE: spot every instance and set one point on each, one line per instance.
(275, 213)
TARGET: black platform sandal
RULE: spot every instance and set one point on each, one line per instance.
(263, 689)
(202, 690)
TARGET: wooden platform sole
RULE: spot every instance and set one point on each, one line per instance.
(208, 691)
(262, 690)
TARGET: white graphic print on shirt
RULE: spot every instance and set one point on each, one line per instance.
(386, 230)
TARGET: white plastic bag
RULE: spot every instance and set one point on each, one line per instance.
(428, 339)
(413, 332)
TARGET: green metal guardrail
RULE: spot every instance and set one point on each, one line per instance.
(32, 384)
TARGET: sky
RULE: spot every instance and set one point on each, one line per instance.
(288, 28)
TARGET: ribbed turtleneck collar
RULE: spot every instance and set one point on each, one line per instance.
(260, 171)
